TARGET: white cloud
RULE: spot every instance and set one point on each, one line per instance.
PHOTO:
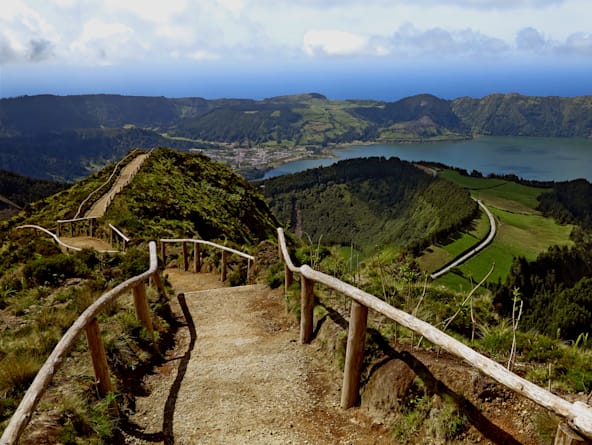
(331, 42)
(155, 11)
(203, 55)
(108, 31)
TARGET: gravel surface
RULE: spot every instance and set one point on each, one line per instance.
(239, 376)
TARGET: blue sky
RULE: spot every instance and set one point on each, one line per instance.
(383, 49)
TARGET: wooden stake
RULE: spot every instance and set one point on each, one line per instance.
(185, 261)
(223, 271)
(567, 436)
(99, 358)
(354, 354)
(196, 258)
(143, 310)
(306, 309)
(163, 252)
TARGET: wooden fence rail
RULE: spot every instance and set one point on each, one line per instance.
(577, 414)
(86, 322)
(197, 254)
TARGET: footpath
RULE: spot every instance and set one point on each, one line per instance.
(239, 376)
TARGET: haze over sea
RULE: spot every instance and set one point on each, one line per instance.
(542, 159)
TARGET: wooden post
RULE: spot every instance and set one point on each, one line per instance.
(111, 237)
(185, 261)
(58, 229)
(566, 436)
(223, 271)
(306, 309)
(143, 310)
(156, 279)
(71, 229)
(99, 358)
(163, 252)
(354, 354)
(288, 277)
(196, 258)
(248, 270)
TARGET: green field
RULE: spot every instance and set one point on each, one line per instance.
(522, 231)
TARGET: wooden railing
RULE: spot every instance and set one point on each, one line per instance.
(87, 322)
(89, 223)
(118, 235)
(578, 414)
(197, 254)
(60, 243)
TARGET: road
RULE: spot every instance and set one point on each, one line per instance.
(474, 251)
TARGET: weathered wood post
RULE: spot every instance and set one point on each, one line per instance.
(111, 237)
(567, 436)
(248, 270)
(196, 258)
(58, 229)
(306, 309)
(158, 282)
(163, 252)
(354, 354)
(185, 261)
(223, 272)
(71, 229)
(143, 310)
(99, 358)
(90, 226)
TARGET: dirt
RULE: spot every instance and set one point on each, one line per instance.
(239, 376)
(125, 177)
(86, 242)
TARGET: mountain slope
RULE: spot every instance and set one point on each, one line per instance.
(369, 202)
(517, 115)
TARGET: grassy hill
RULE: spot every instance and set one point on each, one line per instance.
(371, 203)
(67, 137)
(522, 231)
(43, 290)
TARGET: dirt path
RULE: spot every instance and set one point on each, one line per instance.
(87, 242)
(125, 177)
(239, 376)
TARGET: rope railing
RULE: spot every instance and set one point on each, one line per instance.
(577, 414)
(87, 322)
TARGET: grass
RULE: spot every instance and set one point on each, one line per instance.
(522, 232)
(498, 192)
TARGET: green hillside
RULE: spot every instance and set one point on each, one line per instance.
(68, 137)
(43, 290)
(371, 203)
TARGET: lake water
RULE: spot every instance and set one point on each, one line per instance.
(542, 159)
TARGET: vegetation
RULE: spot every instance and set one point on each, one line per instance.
(66, 138)
(42, 290)
(369, 203)
(195, 197)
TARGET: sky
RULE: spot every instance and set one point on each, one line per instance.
(345, 49)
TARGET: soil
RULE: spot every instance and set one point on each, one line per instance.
(238, 375)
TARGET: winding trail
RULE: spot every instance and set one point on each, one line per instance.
(239, 376)
(475, 250)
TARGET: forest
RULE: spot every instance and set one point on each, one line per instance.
(370, 203)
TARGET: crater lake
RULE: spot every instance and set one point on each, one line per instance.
(542, 159)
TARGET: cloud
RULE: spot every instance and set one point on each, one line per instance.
(333, 43)
(579, 43)
(530, 39)
(40, 49)
(470, 4)
(409, 40)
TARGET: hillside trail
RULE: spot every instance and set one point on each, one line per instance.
(238, 375)
(124, 178)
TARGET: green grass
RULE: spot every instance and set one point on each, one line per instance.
(498, 192)
(522, 231)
